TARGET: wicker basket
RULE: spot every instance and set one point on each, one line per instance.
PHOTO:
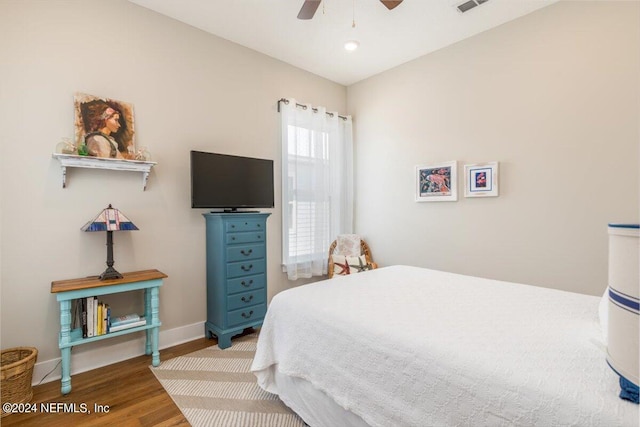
(17, 371)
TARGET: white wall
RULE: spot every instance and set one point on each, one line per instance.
(190, 90)
(555, 98)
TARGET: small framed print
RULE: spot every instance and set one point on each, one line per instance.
(436, 182)
(481, 180)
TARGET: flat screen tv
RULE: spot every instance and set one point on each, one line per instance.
(222, 181)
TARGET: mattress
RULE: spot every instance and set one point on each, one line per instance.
(406, 346)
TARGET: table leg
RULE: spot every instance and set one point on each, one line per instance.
(65, 339)
(66, 370)
(147, 315)
(155, 319)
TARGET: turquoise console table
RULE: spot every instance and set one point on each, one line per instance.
(69, 290)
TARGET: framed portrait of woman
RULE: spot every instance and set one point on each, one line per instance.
(104, 127)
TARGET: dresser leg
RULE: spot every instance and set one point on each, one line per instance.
(224, 341)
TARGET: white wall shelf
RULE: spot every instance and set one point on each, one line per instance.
(74, 161)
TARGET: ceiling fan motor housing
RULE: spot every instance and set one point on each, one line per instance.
(309, 7)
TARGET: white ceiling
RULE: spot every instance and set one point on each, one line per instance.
(387, 37)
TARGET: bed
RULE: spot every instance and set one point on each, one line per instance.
(407, 346)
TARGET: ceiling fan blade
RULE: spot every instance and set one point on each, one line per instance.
(390, 4)
(308, 9)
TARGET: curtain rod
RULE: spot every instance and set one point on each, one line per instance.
(315, 110)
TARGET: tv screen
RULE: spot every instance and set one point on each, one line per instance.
(223, 181)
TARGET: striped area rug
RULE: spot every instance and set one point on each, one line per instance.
(214, 387)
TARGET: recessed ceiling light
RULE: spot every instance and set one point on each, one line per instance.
(351, 45)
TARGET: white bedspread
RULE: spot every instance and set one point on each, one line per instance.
(406, 346)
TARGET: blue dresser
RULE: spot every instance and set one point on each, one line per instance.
(236, 273)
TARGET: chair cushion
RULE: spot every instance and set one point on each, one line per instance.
(348, 245)
(343, 265)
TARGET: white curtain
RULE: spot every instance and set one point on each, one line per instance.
(317, 186)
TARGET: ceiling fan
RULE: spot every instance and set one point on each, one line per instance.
(309, 7)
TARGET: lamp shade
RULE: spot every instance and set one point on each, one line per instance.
(110, 219)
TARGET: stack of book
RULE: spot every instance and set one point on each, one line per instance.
(94, 317)
(126, 322)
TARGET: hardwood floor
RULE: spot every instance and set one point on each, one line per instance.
(129, 390)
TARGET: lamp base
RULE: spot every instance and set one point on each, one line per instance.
(110, 273)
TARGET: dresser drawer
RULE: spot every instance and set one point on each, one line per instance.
(247, 283)
(245, 268)
(245, 299)
(247, 314)
(244, 252)
(248, 237)
(245, 225)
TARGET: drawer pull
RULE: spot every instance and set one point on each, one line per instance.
(233, 226)
(246, 253)
(245, 299)
(259, 236)
(245, 284)
(246, 316)
(245, 268)
(233, 238)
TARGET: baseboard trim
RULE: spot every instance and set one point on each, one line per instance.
(49, 370)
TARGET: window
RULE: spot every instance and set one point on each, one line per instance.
(316, 186)
(308, 163)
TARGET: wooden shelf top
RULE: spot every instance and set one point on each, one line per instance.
(95, 282)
